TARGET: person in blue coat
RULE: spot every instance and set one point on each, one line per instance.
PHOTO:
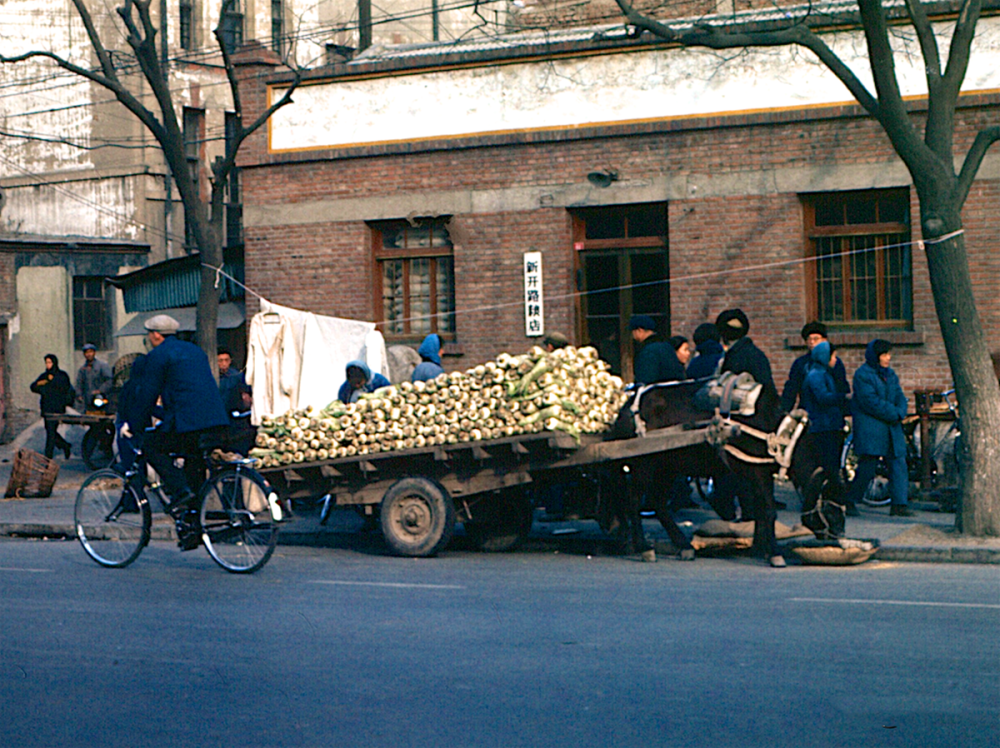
(709, 350)
(360, 380)
(813, 333)
(193, 417)
(825, 401)
(655, 358)
(430, 355)
(878, 409)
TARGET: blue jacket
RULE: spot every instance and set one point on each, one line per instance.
(430, 366)
(878, 407)
(703, 365)
(797, 376)
(179, 372)
(821, 398)
(657, 361)
(372, 383)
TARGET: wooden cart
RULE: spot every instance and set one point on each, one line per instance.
(420, 494)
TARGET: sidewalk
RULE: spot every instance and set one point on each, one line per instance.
(927, 537)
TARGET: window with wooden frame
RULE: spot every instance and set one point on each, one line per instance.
(91, 318)
(415, 277)
(862, 274)
(187, 24)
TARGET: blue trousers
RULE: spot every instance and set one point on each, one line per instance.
(899, 485)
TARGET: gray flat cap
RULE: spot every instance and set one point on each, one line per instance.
(163, 324)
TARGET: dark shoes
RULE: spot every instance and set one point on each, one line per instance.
(188, 537)
(67, 451)
(901, 510)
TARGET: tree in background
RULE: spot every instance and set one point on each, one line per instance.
(203, 215)
(925, 142)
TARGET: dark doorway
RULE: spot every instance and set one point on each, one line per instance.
(622, 270)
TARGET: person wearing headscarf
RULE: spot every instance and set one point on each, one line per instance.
(360, 381)
(825, 401)
(430, 359)
(878, 409)
(56, 393)
(709, 350)
(655, 358)
(813, 333)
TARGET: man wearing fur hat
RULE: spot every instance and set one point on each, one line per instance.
(742, 356)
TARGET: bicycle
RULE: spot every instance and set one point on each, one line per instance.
(877, 492)
(237, 515)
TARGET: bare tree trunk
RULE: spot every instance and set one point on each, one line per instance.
(975, 381)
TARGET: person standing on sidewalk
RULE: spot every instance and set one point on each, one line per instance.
(878, 408)
(825, 402)
(56, 394)
(93, 380)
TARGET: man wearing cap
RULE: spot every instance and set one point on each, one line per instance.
(554, 341)
(655, 359)
(94, 379)
(193, 419)
(813, 333)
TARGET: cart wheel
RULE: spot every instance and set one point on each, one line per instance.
(418, 517)
(502, 522)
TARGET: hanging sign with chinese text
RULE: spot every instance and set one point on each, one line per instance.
(534, 311)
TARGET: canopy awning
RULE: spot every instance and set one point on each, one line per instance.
(231, 315)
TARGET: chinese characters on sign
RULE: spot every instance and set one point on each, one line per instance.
(534, 311)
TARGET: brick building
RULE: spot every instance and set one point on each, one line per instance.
(407, 187)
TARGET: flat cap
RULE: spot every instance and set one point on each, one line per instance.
(89, 347)
(163, 324)
(641, 322)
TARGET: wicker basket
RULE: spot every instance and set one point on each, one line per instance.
(840, 552)
(32, 476)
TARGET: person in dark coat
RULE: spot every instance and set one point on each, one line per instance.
(709, 350)
(129, 423)
(655, 359)
(430, 359)
(878, 409)
(756, 480)
(825, 402)
(193, 419)
(237, 399)
(813, 334)
(682, 348)
(56, 393)
(360, 380)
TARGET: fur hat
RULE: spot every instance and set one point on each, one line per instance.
(732, 325)
(813, 328)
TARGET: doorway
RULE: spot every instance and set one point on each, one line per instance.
(622, 269)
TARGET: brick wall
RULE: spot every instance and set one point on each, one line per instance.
(327, 267)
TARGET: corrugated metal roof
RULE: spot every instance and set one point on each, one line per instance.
(174, 283)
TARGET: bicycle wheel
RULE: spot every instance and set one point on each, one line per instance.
(877, 492)
(112, 519)
(236, 523)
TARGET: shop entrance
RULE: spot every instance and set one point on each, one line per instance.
(622, 269)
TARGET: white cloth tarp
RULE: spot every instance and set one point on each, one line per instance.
(298, 358)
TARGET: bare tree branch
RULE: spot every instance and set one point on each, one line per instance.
(973, 159)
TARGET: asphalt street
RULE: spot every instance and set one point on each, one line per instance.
(342, 647)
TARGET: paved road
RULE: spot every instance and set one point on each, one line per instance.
(340, 647)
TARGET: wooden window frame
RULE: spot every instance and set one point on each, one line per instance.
(80, 338)
(381, 254)
(879, 231)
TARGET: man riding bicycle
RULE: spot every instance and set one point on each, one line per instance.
(194, 419)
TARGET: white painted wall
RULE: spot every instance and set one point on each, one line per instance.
(45, 324)
(624, 87)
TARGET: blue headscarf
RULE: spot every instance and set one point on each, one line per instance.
(430, 349)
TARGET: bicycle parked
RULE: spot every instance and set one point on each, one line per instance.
(944, 451)
(237, 515)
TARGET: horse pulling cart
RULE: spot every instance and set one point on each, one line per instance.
(418, 495)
